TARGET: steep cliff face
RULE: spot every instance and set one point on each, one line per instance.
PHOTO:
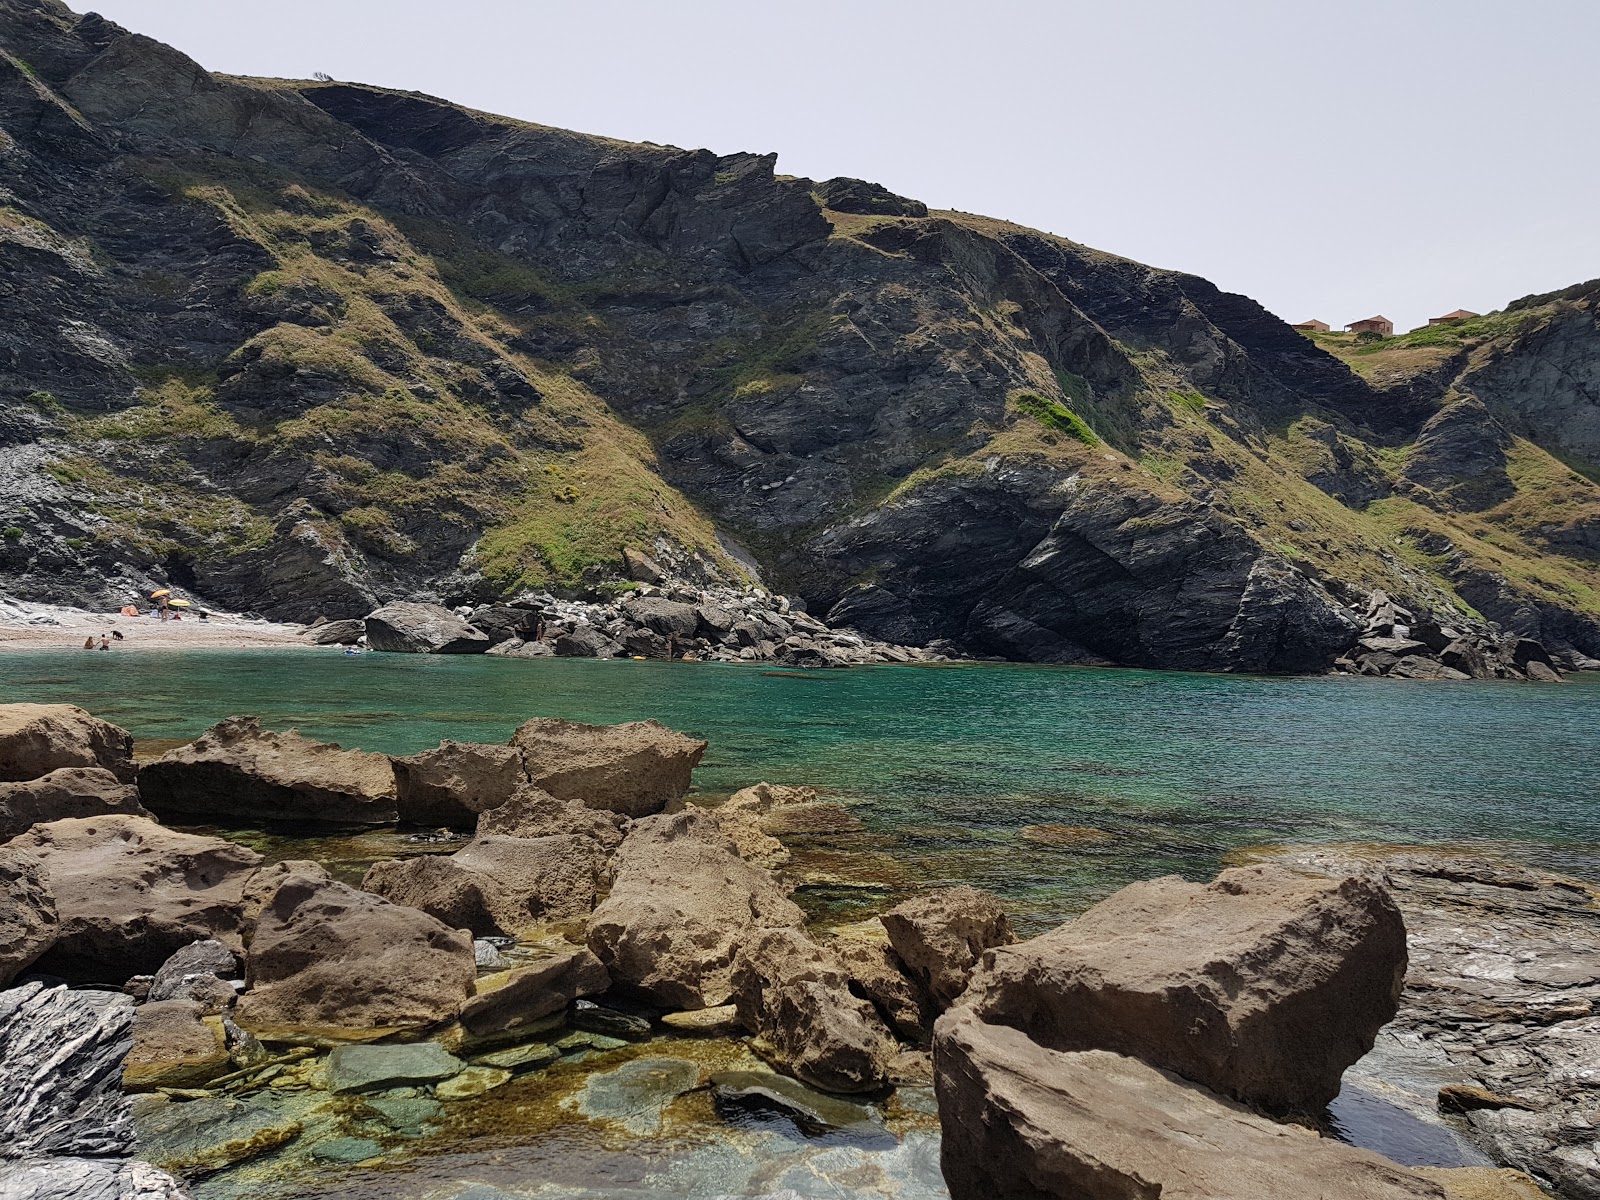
(305, 346)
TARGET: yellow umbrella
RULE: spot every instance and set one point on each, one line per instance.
(161, 593)
(177, 604)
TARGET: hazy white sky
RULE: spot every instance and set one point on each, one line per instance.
(1333, 160)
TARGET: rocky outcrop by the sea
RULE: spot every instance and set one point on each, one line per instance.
(1398, 643)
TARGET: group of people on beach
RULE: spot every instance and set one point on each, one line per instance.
(105, 640)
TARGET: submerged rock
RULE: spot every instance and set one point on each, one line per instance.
(239, 772)
(472, 1081)
(764, 1091)
(681, 905)
(208, 1134)
(329, 959)
(407, 627)
(1022, 1120)
(634, 769)
(941, 936)
(130, 893)
(65, 792)
(28, 918)
(36, 739)
(636, 1094)
(454, 782)
(1263, 984)
(378, 1068)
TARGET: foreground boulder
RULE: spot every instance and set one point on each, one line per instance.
(175, 1044)
(941, 936)
(130, 892)
(65, 792)
(238, 771)
(496, 885)
(329, 959)
(514, 999)
(795, 996)
(454, 782)
(635, 769)
(533, 812)
(877, 973)
(65, 1127)
(36, 739)
(1019, 1120)
(682, 905)
(27, 912)
(1263, 985)
(406, 627)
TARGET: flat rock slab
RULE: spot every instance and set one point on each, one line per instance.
(474, 1081)
(200, 1136)
(523, 996)
(521, 1058)
(814, 1111)
(376, 1068)
(1021, 1120)
(65, 792)
(636, 1094)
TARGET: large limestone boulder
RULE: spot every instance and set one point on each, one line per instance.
(65, 792)
(796, 997)
(533, 812)
(877, 973)
(454, 782)
(1021, 1120)
(130, 892)
(239, 772)
(682, 905)
(635, 769)
(941, 936)
(406, 627)
(329, 959)
(511, 1000)
(496, 885)
(27, 912)
(36, 739)
(175, 1044)
(1263, 985)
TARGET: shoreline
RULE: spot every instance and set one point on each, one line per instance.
(30, 627)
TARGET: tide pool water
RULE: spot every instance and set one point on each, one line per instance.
(1051, 786)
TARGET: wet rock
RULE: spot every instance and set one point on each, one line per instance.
(404, 1113)
(797, 998)
(207, 957)
(65, 792)
(634, 769)
(940, 937)
(721, 1021)
(1264, 984)
(531, 1057)
(239, 772)
(36, 739)
(597, 1018)
(682, 904)
(455, 782)
(328, 958)
(28, 918)
(207, 1135)
(1020, 1119)
(346, 1150)
(523, 996)
(636, 1094)
(130, 893)
(406, 627)
(533, 812)
(379, 1068)
(175, 1044)
(763, 1091)
(474, 1081)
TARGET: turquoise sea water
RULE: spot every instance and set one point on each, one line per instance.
(947, 765)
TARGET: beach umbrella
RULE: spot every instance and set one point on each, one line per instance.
(177, 603)
(156, 595)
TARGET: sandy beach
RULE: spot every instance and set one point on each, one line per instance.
(25, 627)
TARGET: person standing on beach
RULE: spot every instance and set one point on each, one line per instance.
(105, 641)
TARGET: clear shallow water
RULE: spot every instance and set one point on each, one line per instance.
(946, 766)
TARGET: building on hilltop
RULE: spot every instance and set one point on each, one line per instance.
(1314, 324)
(1450, 318)
(1381, 326)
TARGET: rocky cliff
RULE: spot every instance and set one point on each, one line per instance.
(305, 347)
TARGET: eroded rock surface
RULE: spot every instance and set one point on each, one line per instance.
(65, 792)
(1264, 984)
(327, 957)
(239, 772)
(454, 782)
(28, 916)
(36, 739)
(682, 904)
(635, 769)
(941, 936)
(130, 892)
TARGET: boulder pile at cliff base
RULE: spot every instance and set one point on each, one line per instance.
(1150, 1045)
